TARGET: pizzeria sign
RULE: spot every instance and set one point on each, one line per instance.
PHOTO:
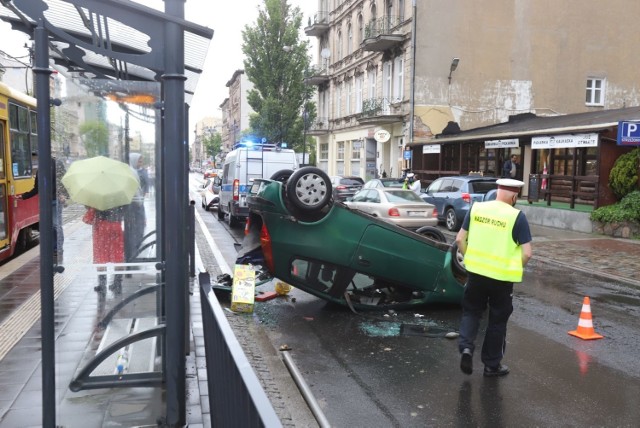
(565, 141)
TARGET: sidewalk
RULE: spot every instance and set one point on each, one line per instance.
(611, 258)
(77, 306)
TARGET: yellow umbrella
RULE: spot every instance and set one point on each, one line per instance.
(101, 183)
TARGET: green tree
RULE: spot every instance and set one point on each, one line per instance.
(276, 63)
(212, 144)
(95, 136)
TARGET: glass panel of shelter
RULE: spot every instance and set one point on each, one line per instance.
(109, 245)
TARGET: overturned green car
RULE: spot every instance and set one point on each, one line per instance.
(321, 246)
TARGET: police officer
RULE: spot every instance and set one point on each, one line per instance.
(412, 183)
(496, 242)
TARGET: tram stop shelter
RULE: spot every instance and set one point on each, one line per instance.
(130, 74)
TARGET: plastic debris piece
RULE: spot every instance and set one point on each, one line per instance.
(452, 335)
(418, 316)
(267, 295)
(285, 347)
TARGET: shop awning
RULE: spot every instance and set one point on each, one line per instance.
(532, 125)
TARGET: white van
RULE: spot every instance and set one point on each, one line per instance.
(241, 166)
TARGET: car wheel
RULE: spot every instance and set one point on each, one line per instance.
(220, 213)
(432, 233)
(451, 220)
(458, 260)
(309, 189)
(282, 175)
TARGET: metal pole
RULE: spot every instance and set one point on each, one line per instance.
(46, 189)
(304, 133)
(412, 102)
(175, 213)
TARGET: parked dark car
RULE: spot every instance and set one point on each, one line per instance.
(299, 235)
(345, 187)
(384, 182)
(453, 196)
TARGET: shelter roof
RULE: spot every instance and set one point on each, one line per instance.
(110, 39)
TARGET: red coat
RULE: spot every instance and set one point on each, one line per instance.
(108, 238)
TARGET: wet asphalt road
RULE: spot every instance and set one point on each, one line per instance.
(365, 372)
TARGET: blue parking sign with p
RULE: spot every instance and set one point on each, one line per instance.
(628, 134)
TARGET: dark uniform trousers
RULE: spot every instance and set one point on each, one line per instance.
(479, 292)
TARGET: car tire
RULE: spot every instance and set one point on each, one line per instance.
(309, 189)
(220, 214)
(233, 221)
(451, 220)
(282, 175)
(458, 260)
(432, 233)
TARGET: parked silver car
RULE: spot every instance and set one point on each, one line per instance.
(398, 206)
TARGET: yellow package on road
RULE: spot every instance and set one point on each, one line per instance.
(243, 289)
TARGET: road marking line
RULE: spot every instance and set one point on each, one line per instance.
(224, 267)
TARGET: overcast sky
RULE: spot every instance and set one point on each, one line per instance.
(226, 19)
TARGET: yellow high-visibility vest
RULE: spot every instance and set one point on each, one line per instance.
(491, 251)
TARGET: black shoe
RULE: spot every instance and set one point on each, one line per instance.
(466, 361)
(501, 370)
(100, 288)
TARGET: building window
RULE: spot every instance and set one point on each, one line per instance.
(398, 79)
(324, 151)
(356, 149)
(595, 92)
(339, 100)
(349, 88)
(339, 47)
(359, 85)
(340, 151)
(401, 10)
(349, 39)
(361, 28)
(372, 82)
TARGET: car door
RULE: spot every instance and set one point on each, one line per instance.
(438, 193)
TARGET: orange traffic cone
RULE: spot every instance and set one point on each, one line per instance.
(585, 325)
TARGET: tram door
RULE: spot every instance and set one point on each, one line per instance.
(4, 223)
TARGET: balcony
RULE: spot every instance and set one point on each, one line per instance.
(380, 111)
(317, 75)
(318, 25)
(320, 126)
(379, 34)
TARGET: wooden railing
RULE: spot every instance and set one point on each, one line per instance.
(572, 189)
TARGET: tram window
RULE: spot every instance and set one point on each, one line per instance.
(34, 124)
(19, 119)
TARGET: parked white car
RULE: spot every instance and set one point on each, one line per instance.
(210, 194)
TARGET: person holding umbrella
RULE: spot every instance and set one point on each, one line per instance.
(105, 186)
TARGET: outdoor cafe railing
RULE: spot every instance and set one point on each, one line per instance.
(572, 189)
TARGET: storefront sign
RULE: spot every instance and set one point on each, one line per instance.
(629, 133)
(500, 144)
(431, 148)
(382, 136)
(565, 141)
(407, 154)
